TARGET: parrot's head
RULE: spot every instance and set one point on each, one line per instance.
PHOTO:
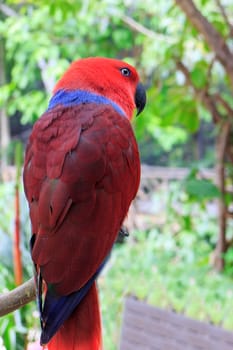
(113, 79)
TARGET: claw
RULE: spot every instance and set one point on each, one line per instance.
(123, 232)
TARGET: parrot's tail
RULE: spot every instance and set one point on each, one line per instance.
(82, 330)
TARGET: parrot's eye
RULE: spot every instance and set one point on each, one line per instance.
(125, 71)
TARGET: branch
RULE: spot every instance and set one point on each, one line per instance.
(209, 73)
(210, 101)
(224, 15)
(138, 27)
(221, 146)
(48, 81)
(8, 11)
(224, 104)
(17, 298)
(201, 94)
(212, 37)
(229, 214)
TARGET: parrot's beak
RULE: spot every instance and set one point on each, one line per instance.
(140, 98)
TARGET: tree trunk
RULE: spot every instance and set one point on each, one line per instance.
(221, 147)
(223, 54)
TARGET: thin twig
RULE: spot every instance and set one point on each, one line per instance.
(205, 97)
(224, 104)
(224, 15)
(201, 94)
(138, 27)
(8, 11)
(209, 72)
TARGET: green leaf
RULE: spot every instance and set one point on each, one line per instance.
(199, 74)
(201, 189)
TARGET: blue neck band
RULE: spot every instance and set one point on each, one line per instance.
(77, 97)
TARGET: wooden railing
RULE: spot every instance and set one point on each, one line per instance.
(145, 328)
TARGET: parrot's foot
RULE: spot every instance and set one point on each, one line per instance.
(123, 232)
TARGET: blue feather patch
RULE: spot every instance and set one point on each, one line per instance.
(57, 309)
(76, 97)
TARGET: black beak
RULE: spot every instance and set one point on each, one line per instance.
(140, 98)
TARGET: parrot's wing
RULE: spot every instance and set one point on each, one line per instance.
(76, 167)
(78, 163)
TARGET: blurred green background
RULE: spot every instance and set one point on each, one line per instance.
(180, 251)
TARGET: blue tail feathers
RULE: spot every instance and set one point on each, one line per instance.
(57, 309)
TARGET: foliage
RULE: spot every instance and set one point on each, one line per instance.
(228, 256)
(13, 327)
(154, 269)
(198, 189)
(169, 266)
(39, 50)
(170, 263)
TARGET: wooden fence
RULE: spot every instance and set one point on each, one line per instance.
(149, 328)
(148, 172)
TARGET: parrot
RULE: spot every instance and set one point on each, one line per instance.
(81, 173)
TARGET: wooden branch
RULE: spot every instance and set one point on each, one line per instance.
(48, 81)
(138, 27)
(221, 146)
(224, 104)
(209, 72)
(208, 100)
(212, 37)
(17, 298)
(229, 214)
(201, 94)
(229, 244)
(224, 15)
(7, 11)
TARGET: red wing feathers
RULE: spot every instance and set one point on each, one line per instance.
(75, 177)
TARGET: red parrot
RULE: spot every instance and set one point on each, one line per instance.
(81, 172)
